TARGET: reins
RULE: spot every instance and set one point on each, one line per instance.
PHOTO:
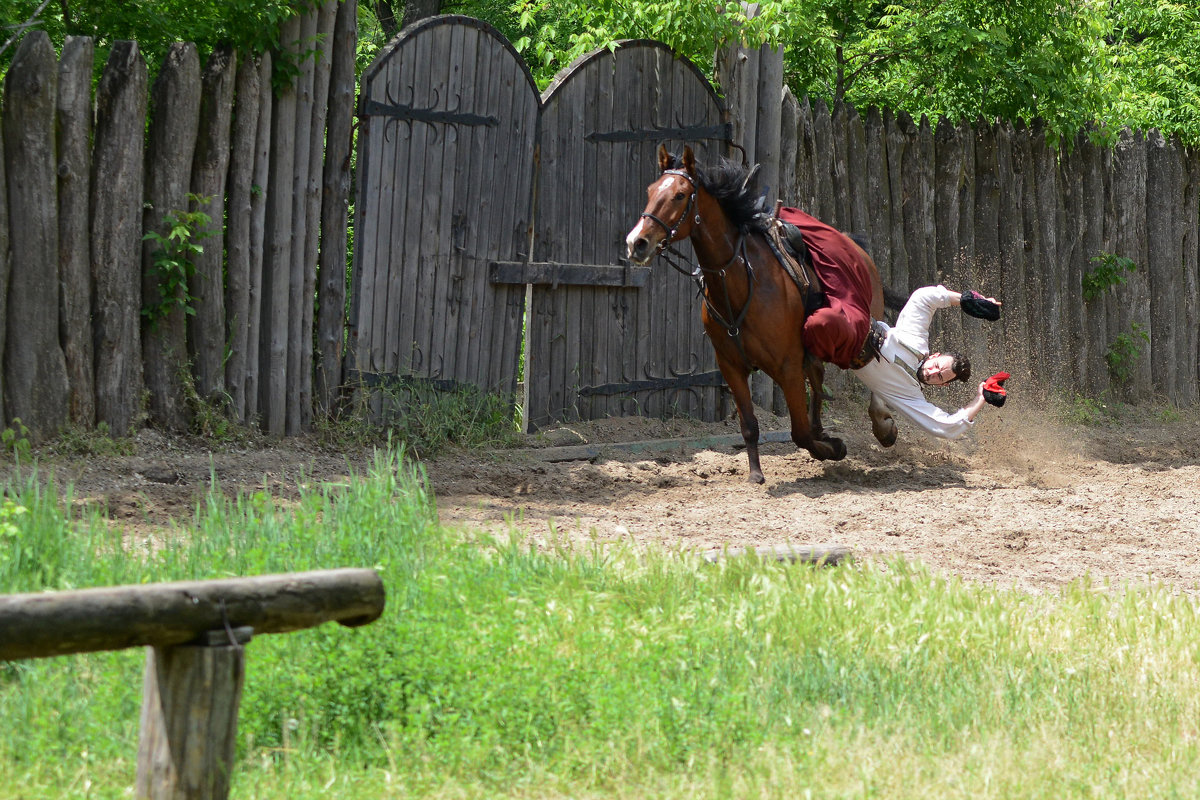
(734, 328)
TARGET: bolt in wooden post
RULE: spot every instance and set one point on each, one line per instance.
(189, 718)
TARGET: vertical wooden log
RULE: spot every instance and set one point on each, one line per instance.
(897, 148)
(335, 202)
(989, 259)
(1052, 367)
(737, 69)
(74, 108)
(239, 208)
(1188, 323)
(1164, 259)
(913, 186)
(1033, 280)
(789, 126)
(117, 186)
(277, 259)
(1129, 195)
(316, 154)
(1072, 261)
(175, 109)
(300, 231)
(188, 733)
(1010, 249)
(206, 327)
(856, 175)
(806, 197)
(35, 370)
(1090, 166)
(255, 339)
(948, 267)
(769, 93)
(879, 195)
(839, 173)
(824, 205)
(5, 265)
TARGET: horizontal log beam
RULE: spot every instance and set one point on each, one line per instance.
(166, 614)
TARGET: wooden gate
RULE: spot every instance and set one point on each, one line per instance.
(473, 193)
(447, 124)
(610, 339)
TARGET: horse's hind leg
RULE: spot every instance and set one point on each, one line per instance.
(821, 447)
(814, 371)
(882, 424)
(738, 380)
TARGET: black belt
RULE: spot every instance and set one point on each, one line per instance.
(872, 347)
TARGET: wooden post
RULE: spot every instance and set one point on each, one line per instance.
(190, 702)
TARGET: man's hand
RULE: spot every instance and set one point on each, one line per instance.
(976, 405)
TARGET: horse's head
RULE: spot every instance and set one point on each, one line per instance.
(670, 211)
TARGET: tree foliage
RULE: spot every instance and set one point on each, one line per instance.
(1071, 63)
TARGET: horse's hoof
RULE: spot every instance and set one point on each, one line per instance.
(830, 449)
(757, 477)
(885, 432)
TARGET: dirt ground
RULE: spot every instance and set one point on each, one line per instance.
(1024, 500)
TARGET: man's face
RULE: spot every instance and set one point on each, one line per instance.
(938, 370)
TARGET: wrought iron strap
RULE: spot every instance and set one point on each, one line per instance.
(656, 384)
(722, 132)
(374, 108)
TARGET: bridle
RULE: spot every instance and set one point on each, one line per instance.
(673, 229)
(730, 321)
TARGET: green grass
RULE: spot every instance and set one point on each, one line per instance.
(501, 672)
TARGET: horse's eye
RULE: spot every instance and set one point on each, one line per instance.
(678, 196)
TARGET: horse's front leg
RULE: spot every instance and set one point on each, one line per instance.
(737, 377)
(815, 442)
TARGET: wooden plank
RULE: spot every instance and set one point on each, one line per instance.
(601, 246)
(769, 98)
(206, 327)
(824, 203)
(859, 221)
(923, 271)
(116, 233)
(912, 218)
(35, 370)
(1029, 329)
(46, 624)
(239, 205)
(335, 201)
(5, 263)
(805, 198)
(443, 328)
(171, 143)
(74, 113)
(839, 216)
(478, 205)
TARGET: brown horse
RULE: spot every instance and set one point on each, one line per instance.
(753, 310)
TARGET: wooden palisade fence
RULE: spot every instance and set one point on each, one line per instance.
(260, 147)
(989, 205)
(195, 633)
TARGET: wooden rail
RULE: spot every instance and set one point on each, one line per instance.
(195, 632)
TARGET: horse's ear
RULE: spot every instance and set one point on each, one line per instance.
(689, 159)
(664, 158)
(748, 181)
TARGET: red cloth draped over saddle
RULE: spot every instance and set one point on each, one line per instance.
(835, 333)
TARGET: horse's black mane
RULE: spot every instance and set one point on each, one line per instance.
(726, 181)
